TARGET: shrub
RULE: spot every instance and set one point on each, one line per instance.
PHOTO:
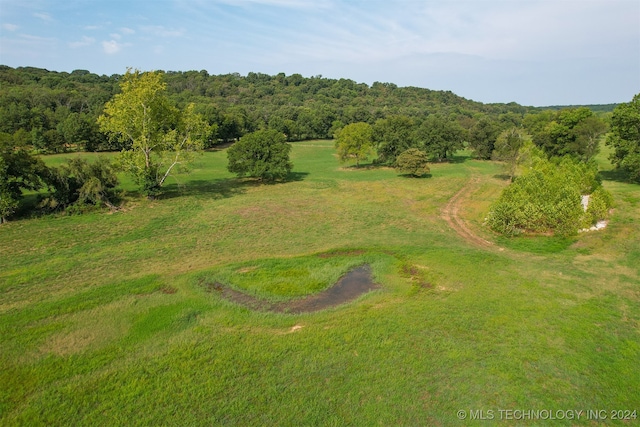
(413, 161)
(547, 198)
(79, 182)
(263, 155)
(600, 202)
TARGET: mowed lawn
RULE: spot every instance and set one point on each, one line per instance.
(106, 319)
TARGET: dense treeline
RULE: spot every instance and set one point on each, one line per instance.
(57, 111)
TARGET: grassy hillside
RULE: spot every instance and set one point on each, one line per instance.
(104, 319)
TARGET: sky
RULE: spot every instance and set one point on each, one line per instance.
(533, 52)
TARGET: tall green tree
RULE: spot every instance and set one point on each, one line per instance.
(509, 148)
(572, 131)
(354, 142)
(392, 136)
(482, 137)
(625, 137)
(440, 137)
(160, 139)
(263, 154)
(19, 171)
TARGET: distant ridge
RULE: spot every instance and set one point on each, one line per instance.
(596, 108)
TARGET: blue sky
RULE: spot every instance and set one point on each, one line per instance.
(538, 52)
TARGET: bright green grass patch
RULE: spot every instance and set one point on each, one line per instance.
(285, 278)
(537, 244)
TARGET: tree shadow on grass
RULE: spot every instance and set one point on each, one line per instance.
(216, 189)
(222, 188)
(296, 176)
(618, 175)
(365, 166)
(219, 146)
(411, 176)
(456, 159)
(502, 177)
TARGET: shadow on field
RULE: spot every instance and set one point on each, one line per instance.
(456, 159)
(502, 177)
(222, 188)
(296, 176)
(218, 189)
(411, 176)
(618, 175)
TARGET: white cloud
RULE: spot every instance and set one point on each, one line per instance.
(85, 41)
(115, 36)
(128, 31)
(37, 38)
(111, 47)
(162, 31)
(10, 27)
(43, 16)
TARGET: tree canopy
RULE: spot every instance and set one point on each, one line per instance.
(392, 136)
(19, 171)
(572, 131)
(483, 136)
(509, 148)
(354, 142)
(440, 137)
(413, 162)
(625, 137)
(263, 154)
(158, 138)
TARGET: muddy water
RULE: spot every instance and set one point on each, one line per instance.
(350, 286)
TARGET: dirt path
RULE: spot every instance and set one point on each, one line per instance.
(451, 214)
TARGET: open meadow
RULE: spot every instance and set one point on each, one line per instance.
(107, 319)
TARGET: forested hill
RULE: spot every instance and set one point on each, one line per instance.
(50, 110)
(596, 108)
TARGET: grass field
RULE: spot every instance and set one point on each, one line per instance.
(104, 319)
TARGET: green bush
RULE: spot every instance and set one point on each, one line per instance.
(263, 154)
(599, 204)
(413, 161)
(79, 182)
(547, 199)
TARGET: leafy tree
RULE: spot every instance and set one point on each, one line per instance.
(354, 141)
(440, 137)
(263, 154)
(414, 162)
(159, 137)
(18, 171)
(509, 148)
(625, 137)
(572, 131)
(8, 197)
(81, 130)
(392, 136)
(482, 137)
(587, 135)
